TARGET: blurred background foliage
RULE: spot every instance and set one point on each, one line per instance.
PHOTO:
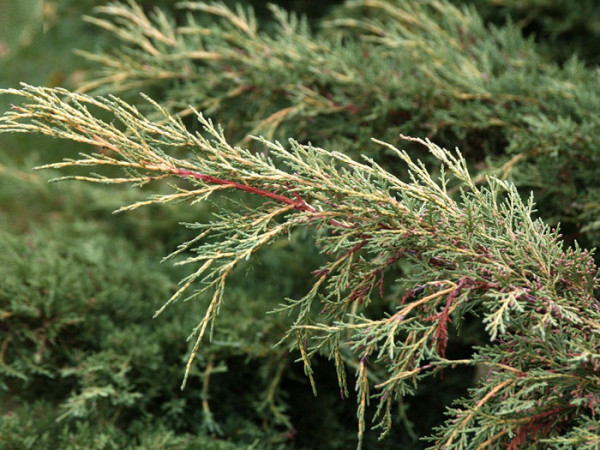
(20, 21)
(562, 29)
(83, 365)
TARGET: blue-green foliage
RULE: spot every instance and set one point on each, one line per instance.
(82, 362)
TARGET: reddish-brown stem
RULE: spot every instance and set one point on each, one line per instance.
(537, 425)
(299, 204)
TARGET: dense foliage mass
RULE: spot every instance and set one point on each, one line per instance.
(415, 283)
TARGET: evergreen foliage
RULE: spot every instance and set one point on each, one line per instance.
(376, 69)
(560, 28)
(425, 263)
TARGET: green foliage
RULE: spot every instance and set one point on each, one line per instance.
(396, 271)
(561, 29)
(376, 69)
(20, 21)
(77, 331)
